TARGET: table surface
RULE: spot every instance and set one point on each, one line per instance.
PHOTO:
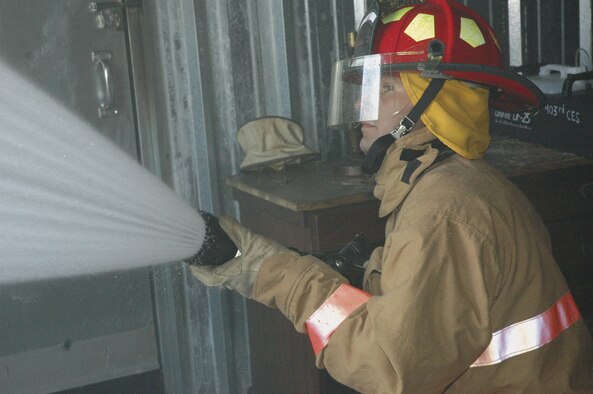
(318, 185)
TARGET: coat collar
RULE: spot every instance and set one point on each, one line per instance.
(404, 162)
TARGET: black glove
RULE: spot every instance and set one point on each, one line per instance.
(217, 247)
(350, 260)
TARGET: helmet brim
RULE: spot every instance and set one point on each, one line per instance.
(510, 91)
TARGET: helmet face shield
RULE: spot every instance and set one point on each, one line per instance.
(358, 90)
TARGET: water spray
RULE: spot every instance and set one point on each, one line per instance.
(73, 203)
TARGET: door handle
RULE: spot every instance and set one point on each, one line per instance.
(104, 85)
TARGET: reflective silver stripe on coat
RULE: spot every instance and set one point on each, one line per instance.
(530, 334)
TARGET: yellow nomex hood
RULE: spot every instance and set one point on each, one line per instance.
(458, 116)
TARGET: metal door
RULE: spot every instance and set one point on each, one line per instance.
(60, 334)
(77, 55)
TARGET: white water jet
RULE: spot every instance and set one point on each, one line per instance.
(73, 203)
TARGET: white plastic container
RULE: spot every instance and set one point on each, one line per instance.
(551, 78)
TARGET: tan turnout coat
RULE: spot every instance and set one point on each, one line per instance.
(465, 256)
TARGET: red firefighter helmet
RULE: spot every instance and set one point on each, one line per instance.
(441, 39)
(471, 51)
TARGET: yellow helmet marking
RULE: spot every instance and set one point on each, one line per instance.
(471, 33)
(421, 27)
(396, 16)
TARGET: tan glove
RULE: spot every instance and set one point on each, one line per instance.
(239, 273)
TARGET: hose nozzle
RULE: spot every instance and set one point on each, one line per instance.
(217, 247)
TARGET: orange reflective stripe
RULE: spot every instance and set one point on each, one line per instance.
(322, 324)
(530, 334)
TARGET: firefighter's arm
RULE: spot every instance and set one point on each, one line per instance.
(218, 263)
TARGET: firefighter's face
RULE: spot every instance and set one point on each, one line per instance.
(394, 104)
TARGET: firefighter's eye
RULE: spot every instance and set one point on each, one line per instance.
(386, 88)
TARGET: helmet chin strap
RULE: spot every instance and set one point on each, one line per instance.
(376, 154)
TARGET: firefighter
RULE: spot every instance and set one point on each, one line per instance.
(465, 295)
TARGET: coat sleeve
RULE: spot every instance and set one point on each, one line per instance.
(429, 323)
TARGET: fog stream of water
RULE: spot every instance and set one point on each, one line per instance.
(73, 203)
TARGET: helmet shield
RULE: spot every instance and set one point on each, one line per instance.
(356, 89)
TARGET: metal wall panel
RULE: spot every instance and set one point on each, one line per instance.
(538, 31)
(585, 30)
(221, 64)
(550, 31)
(240, 61)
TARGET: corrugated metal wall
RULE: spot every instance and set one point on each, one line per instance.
(221, 64)
(538, 31)
(261, 58)
(553, 36)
